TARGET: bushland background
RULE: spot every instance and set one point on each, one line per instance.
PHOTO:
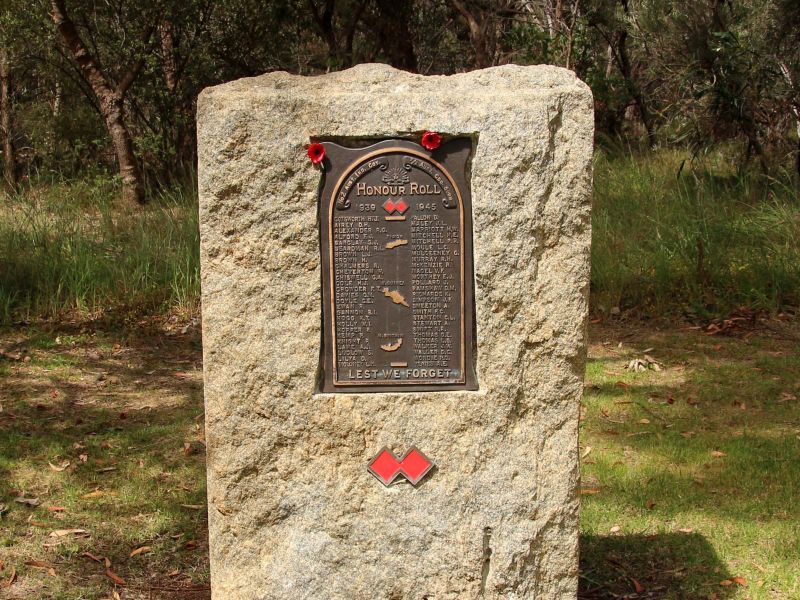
(690, 428)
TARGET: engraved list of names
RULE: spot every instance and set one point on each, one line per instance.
(395, 280)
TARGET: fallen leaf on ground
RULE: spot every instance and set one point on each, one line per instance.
(738, 580)
(588, 491)
(105, 470)
(622, 384)
(615, 529)
(193, 506)
(686, 530)
(114, 577)
(107, 562)
(11, 578)
(637, 586)
(586, 452)
(644, 421)
(39, 564)
(83, 457)
(639, 365)
(60, 468)
(56, 508)
(27, 501)
(192, 544)
(64, 532)
(92, 556)
(718, 454)
(649, 504)
(141, 550)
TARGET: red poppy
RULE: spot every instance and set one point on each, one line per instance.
(431, 140)
(316, 152)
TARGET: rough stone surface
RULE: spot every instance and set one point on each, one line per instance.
(293, 512)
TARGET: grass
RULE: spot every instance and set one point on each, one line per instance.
(105, 432)
(691, 474)
(73, 248)
(696, 239)
(693, 239)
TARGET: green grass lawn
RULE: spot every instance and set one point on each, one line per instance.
(691, 474)
(103, 432)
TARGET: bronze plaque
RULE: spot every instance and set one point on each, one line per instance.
(397, 280)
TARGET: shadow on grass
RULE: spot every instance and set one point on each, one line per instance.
(650, 566)
(105, 431)
(708, 446)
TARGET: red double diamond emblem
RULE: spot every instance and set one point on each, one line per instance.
(413, 466)
(391, 206)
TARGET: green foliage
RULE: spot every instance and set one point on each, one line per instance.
(683, 72)
(701, 239)
(70, 247)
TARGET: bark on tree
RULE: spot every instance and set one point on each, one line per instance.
(9, 162)
(110, 101)
(570, 34)
(168, 55)
(624, 64)
(477, 35)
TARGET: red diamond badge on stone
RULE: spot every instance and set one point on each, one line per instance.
(389, 206)
(401, 206)
(413, 466)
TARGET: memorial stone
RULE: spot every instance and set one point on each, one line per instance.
(394, 338)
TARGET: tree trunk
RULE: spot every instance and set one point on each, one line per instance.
(110, 101)
(571, 35)
(340, 55)
(168, 55)
(477, 35)
(132, 186)
(633, 89)
(9, 162)
(396, 41)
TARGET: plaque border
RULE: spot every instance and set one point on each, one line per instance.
(386, 382)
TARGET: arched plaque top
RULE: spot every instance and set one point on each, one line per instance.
(396, 172)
